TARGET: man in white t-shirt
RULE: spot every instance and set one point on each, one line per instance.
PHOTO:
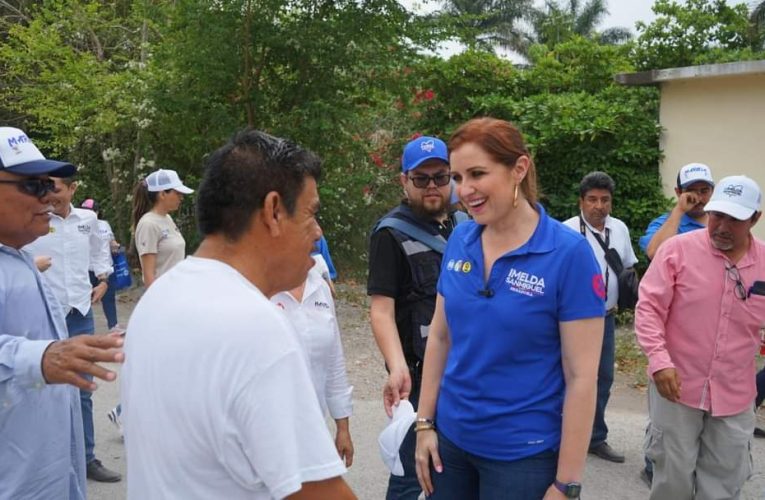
(596, 192)
(218, 401)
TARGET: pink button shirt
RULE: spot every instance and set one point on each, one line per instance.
(689, 318)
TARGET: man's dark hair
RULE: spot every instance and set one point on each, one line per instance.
(239, 175)
(596, 180)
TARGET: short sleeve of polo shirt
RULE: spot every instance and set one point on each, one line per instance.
(147, 235)
(582, 291)
(653, 226)
(388, 267)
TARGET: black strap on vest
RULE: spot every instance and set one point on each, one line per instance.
(435, 243)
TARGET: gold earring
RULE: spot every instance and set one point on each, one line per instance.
(515, 197)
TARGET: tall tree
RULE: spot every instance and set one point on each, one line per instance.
(757, 20)
(488, 24)
(558, 21)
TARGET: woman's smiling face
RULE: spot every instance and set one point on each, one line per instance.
(484, 186)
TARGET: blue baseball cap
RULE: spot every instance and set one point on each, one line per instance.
(421, 149)
(19, 156)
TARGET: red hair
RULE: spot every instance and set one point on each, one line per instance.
(503, 142)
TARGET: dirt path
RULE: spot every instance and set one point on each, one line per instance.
(626, 417)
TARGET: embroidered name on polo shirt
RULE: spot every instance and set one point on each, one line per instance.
(525, 283)
(83, 228)
(321, 304)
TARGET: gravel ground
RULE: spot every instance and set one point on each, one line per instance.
(626, 417)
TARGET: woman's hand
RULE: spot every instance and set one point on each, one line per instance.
(553, 493)
(427, 449)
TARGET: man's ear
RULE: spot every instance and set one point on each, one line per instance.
(678, 192)
(73, 186)
(273, 213)
(755, 217)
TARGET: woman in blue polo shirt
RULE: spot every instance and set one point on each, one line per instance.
(508, 390)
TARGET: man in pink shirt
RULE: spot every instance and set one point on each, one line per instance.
(698, 319)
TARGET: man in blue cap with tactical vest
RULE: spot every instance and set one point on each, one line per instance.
(405, 251)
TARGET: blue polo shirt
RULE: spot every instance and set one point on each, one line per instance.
(502, 391)
(686, 224)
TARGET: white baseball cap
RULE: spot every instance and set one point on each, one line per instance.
(694, 172)
(19, 155)
(162, 180)
(737, 196)
(393, 435)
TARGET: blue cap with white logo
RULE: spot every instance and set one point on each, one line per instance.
(421, 149)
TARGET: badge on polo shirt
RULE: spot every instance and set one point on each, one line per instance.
(599, 286)
(459, 266)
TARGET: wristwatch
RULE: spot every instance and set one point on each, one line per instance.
(570, 490)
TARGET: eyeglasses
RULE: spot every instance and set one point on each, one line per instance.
(423, 181)
(733, 274)
(33, 186)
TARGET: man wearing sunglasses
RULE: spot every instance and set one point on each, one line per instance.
(405, 253)
(40, 367)
(698, 320)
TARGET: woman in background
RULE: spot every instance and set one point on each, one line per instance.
(311, 310)
(159, 243)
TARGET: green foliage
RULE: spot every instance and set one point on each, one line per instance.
(76, 73)
(694, 32)
(124, 87)
(574, 117)
(580, 64)
(127, 87)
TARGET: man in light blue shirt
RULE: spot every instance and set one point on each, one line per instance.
(41, 434)
(694, 188)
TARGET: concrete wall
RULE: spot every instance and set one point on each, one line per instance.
(718, 121)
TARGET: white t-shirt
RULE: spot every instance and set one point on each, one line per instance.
(619, 240)
(315, 322)
(217, 398)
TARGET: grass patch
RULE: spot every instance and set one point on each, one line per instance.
(630, 360)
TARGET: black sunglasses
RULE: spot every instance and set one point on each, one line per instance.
(739, 289)
(33, 186)
(422, 181)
